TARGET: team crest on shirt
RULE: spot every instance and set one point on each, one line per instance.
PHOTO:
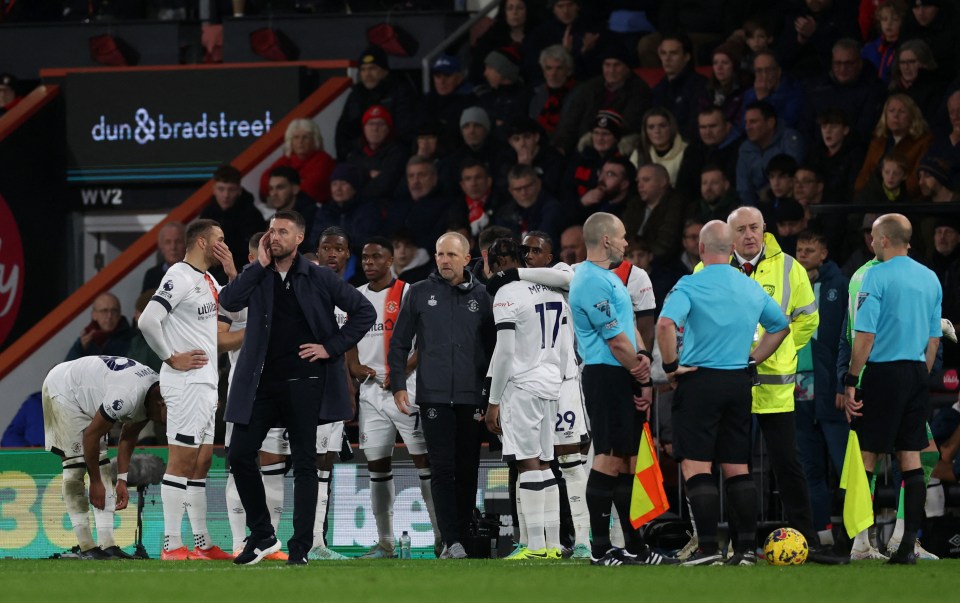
(363, 437)
(431, 413)
(76, 447)
(117, 405)
(168, 286)
(473, 306)
(391, 306)
(861, 297)
(603, 306)
(323, 443)
(432, 301)
(770, 289)
(832, 295)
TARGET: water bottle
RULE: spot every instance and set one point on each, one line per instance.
(405, 545)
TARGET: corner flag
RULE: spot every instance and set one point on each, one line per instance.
(648, 500)
(857, 504)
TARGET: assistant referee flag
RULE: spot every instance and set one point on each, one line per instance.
(857, 504)
(649, 500)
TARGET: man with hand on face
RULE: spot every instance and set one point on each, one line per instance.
(286, 372)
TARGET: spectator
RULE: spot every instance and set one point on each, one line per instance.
(358, 217)
(809, 189)
(479, 197)
(377, 88)
(478, 145)
(778, 90)
(172, 247)
(108, 333)
(947, 143)
(881, 51)
(303, 151)
(411, 264)
(759, 38)
(717, 198)
(888, 186)
(615, 194)
(421, 207)
(837, 154)
(663, 217)
(503, 97)
(681, 88)
(430, 141)
(864, 251)
(285, 195)
(707, 22)
(822, 429)
(531, 207)
(850, 88)
(572, 248)
(718, 142)
(139, 349)
(510, 27)
(934, 180)
(381, 158)
(9, 96)
(451, 94)
(945, 251)
(789, 220)
(934, 22)
(583, 167)
(780, 172)
(548, 98)
(233, 208)
(618, 89)
(524, 138)
(565, 26)
(661, 143)
(690, 256)
(725, 88)
(767, 137)
(809, 34)
(914, 73)
(26, 428)
(901, 129)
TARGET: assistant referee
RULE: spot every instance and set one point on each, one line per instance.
(719, 309)
(898, 332)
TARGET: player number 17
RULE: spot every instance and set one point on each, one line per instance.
(542, 310)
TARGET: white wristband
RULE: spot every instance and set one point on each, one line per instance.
(121, 476)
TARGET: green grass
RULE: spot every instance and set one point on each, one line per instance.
(423, 581)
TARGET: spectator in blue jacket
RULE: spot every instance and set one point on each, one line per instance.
(822, 429)
(766, 138)
(26, 428)
(777, 89)
(531, 206)
(358, 217)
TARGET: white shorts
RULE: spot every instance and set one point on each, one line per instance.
(527, 421)
(570, 426)
(191, 412)
(329, 437)
(63, 425)
(276, 442)
(380, 420)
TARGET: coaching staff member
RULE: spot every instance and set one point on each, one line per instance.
(607, 340)
(898, 332)
(451, 316)
(719, 309)
(290, 372)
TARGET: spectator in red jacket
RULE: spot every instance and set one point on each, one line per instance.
(303, 151)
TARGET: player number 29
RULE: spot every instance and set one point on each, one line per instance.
(542, 310)
(568, 417)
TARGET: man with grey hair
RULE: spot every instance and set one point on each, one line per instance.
(171, 245)
(421, 207)
(548, 98)
(451, 316)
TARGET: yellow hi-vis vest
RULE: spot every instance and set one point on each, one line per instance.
(786, 281)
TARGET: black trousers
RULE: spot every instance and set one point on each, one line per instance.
(453, 444)
(780, 433)
(295, 405)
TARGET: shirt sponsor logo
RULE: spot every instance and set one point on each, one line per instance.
(206, 308)
(504, 304)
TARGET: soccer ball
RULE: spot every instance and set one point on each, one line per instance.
(785, 546)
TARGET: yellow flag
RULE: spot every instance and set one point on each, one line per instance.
(857, 504)
(648, 500)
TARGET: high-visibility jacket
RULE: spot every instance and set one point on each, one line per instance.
(786, 281)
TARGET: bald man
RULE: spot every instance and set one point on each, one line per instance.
(719, 310)
(897, 329)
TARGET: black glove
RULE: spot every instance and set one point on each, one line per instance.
(502, 278)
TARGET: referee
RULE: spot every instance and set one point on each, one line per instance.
(719, 309)
(898, 332)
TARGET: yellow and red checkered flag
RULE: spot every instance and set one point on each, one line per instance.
(649, 500)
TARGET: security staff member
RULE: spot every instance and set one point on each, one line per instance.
(898, 332)
(758, 255)
(451, 316)
(719, 310)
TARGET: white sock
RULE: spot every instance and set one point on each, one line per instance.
(693, 522)
(196, 503)
(897, 535)
(427, 493)
(861, 541)
(522, 538)
(571, 466)
(616, 530)
(530, 490)
(173, 493)
(235, 513)
(104, 518)
(551, 509)
(77, 503)
(935, 505)
(382, 495)
(322, 495)
(272, 476)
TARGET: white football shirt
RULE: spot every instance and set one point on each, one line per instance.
(371, 349)
(112, 385)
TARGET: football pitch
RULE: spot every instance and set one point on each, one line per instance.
(425, 581)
